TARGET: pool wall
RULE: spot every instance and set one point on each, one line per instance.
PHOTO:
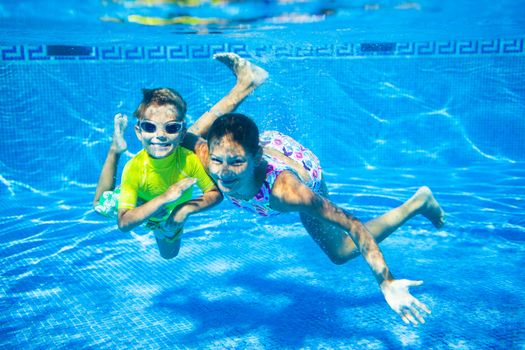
(383, 116)
(357, 104)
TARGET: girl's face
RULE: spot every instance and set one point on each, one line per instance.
(231, 166)
(161, 130)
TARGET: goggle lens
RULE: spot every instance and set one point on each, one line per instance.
(171, 127)
(148, 127)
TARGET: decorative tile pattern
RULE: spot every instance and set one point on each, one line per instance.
(68, 50)
(513, 46)
(37, 53)
(12, 53)
(289, 51)
(447, 48)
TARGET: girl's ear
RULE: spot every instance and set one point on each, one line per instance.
(258, 156)
(138, 133)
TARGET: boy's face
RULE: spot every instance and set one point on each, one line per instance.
(161, 130)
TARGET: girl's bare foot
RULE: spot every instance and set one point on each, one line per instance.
(118, 143)
(430, 208)
(248, 74)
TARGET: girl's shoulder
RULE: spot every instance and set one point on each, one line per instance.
(289, 192)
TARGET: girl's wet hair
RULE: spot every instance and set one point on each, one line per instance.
(161, 97)
(239, 127)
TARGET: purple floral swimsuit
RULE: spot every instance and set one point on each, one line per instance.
(260, 203)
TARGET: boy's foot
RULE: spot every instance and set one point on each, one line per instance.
(430, 208)
(248, 74)
(118, 143)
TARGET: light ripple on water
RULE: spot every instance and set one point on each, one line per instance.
(59, 238)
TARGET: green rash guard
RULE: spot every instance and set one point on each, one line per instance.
(145, 178)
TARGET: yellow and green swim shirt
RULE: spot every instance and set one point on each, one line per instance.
(145, 178)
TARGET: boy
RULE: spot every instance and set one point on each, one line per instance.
(156, 186)
(248, 78)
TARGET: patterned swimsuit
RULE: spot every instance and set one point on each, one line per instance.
(260, 203)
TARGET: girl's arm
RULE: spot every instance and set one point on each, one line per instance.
(179, 215)
(248, 78)
(131, 218)
(290, 194)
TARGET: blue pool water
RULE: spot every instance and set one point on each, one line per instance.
(389, 96)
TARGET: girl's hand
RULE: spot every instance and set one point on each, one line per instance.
(402, 302)
(177, 189)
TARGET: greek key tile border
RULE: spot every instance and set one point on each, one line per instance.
(20, 53)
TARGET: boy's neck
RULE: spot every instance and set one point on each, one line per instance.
(161, 162)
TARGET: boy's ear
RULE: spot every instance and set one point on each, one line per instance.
(137, 132)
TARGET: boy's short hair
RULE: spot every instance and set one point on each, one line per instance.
(161, 97)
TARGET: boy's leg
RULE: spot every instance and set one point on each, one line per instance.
(168, 247)
(339, 246)
(107, 178)
(249, 77)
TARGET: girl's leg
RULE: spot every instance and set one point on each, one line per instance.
(334, 242)
(249, 77)
(339, 246)
(107, 178)
(422, 202)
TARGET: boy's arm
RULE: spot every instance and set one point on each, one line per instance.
(107, 178)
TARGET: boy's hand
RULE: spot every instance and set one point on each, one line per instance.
(177, 189)
(171, 227)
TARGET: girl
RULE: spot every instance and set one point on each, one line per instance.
(271, 174)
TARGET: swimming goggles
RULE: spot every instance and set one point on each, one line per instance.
(171, 127)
